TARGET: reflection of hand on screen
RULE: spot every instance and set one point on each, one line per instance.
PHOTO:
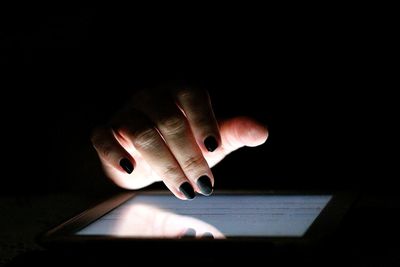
(247, 215)
(141, 220)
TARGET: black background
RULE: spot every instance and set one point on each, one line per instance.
(319, 82)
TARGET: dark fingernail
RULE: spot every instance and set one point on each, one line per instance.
(187, 190)
(207, 235)
(190, 232)
(126, 165)
(210, 143)
(205, 186)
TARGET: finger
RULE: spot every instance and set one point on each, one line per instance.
(242, 131)
(175, 130)
(207, 235)
(197, 107)
(189, 233)
(135, 128)
(142, 176)
(236, 133)
(110, 150)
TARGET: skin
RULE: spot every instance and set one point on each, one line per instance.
(162, 134)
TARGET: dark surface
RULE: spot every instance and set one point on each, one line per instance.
(367, 236)
(319, 85)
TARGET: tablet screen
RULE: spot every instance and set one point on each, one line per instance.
(218, 216)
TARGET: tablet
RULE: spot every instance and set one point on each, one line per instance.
(223, 217)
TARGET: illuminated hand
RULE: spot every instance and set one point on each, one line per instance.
(171, 137)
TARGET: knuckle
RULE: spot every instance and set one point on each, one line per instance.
(146, 138)
(193, 163)
(172, 173)
(173, 125)
(106, 152)
(103, 147)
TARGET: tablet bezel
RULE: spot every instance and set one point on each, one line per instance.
(324, 225)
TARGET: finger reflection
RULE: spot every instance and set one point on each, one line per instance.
(146, 221)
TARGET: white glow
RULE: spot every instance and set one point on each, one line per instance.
(164, 216)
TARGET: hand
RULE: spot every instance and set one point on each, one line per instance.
(171, 136)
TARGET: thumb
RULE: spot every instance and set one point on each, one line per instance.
(241, 131)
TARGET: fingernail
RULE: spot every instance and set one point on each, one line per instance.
(210, 143)
(187, 190)
(205, 186)
(207, 235)
(126, 165)
(190, 232)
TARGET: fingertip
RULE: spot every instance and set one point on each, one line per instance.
(211, 143)
(205, 185)
(251, 132)
(183, 192)
(257, 135)
(127, 165)
(180, 196)
(187, 190)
